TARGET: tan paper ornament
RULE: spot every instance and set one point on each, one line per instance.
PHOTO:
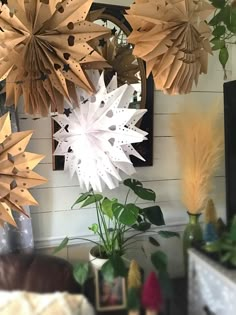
(16, 175)
(44, 49)
(122, 61)
(173, 38)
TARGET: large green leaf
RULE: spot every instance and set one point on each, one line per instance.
(142, 226)
(81, 272)
(153, 241)
(212, 247)
(114, 267)
(107, 207)
(154, 215)
(159, 260)
(223, 56)
(62, 245)
(219, 17)
(168, 234)
(219, 31)
(92, 199)
(94, 227)
(139, 190)
(81, 198)
(218, 3)
(126, 214)
(218, 43)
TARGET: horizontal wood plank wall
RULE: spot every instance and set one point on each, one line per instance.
(53, 219)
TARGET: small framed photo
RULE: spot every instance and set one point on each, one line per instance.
(110, 295)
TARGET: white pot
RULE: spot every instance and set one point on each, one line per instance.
(96, 263)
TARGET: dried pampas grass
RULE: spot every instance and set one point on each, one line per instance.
(199, 139)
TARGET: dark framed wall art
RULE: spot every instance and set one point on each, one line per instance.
(129, 70)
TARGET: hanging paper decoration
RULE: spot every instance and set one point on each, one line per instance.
(173, 38)
(97, 138)
(122, 61)
(45, 46)
(16, 175)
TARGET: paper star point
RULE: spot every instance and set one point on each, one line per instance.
(16, 175)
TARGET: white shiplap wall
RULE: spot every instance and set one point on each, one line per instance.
(53, 219)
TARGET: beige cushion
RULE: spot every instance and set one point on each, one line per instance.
(58, 303)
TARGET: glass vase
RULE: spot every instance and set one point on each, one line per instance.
(192, 234)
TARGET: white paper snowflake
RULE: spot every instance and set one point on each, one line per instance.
(96, 138)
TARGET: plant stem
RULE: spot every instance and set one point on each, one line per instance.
(127, 195)
(84, 239)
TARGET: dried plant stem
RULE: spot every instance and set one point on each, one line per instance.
(199, 139)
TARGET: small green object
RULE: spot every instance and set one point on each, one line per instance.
(154, 215)
(81, 272)
(219, 31)
(94, 227)
(168, 234)
(159, 261)
(192, 234)
(153, 241)
(114, 267)
(133, 299)
(223, 56)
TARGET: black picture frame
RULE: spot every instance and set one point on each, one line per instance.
(230, 147)
(145, 148)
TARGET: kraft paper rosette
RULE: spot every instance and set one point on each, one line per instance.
(173, 38)
(44, 49)
(16, 175)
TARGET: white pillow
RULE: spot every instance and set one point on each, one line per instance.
(58, 303)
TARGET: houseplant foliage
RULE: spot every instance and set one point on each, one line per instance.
(224, 28)
(115, 221)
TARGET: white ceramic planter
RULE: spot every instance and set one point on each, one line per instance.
(96, 263)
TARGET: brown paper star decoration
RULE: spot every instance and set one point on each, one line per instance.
(173, 38)
(16, 175)
(122, 61)
(44, 48)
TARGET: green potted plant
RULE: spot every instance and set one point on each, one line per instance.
(224, 28)
(118, 224)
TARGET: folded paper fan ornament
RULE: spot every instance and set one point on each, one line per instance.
(173, 38)
(122, 61)
(16, 175)
(44, 48)
(97, 138)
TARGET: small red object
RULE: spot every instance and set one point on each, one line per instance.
(151, 294)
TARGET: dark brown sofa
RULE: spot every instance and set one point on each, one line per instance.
(36, 273)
